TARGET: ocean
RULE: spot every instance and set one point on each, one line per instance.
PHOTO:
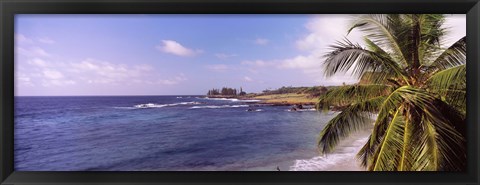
(168, 133)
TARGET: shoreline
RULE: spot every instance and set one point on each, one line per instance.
(342, 159)
(287, 99)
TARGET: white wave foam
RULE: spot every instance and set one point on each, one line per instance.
(343, 159)
(230, 99)
(301, 110)
(153, 105)
(218, 106)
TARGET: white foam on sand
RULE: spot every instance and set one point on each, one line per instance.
(342, 159)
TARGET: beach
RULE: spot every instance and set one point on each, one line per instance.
(342, 159)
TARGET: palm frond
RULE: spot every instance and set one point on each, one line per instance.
(385, 30)
(389, 153)
(449, 79)
(453, 56)
(347, 56)
(344, 95)
(355, 117)
(440, 145)
(432, 31)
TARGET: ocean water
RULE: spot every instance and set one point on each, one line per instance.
(165, 133)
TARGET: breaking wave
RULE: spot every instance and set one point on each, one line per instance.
(154, 105)
(218, 106)
(230, 99)
(343, 159)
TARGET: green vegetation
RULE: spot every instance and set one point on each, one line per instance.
(225, 91)
(415, 87)
(290, 95)
(312, 92)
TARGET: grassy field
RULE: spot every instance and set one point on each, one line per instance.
(288, 99)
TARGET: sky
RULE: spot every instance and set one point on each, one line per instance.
(71, 55)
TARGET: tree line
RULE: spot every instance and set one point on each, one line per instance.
(226, 91)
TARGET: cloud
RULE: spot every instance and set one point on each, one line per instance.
(322, 31)
(32, 52)
(302, 62)
(224, 56)
(175, 48)
(218, 67)
(172, 81)
(89, 71)
(55, 78)
(38, 62)
(52, 74)
(258, 63)
(46, 40)
(23, 80)
(457, 28)
(261, 41)
(105, 72)
(248, 79)
(20, 38)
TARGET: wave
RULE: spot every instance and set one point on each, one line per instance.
(154, 105)
(218, 106)
(256, 110)
(230, 99)
(343, 159)
(302, 110)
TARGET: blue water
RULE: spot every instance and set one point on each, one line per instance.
(159, 133)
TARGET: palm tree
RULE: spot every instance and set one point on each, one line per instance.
(416, 95)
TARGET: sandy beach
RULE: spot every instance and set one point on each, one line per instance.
(342, 159)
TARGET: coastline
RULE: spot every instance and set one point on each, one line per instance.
(342, 159)
(286, 99)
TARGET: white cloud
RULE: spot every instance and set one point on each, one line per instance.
(218, 67)
(173, 47)
(258, 63)
(22, 79)
(46, 40)
(248, 79)
(40, 52)
(52, 74)
(89, 71)
(38, 62)
(181, 77)
(457, 28)
(224, 56)
(302, 62)
(106, 72)
(173, 81)
(48, 83)
(20, 38)
(322, 32)
(261, 41)
(32, 52)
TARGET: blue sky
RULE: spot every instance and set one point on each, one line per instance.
(176, 54)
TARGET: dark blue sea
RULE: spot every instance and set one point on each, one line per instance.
(161, 133)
